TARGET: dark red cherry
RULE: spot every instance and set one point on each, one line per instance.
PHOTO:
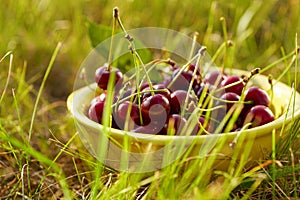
(175, 123)
(95, 111)
(99, 98)
(102, 75)
(214, 78)
(259, 115)
(230, 99)
(257, 96)
(227, 100)
(237, 84)
(192, 67)
(166, 81)
(182, 81)
(177, 102)
(200, 125)
(127, 94)
(201, 89)
(102, 97)
(122, 112)
(144, 85)
(166, 93)
(155, 108)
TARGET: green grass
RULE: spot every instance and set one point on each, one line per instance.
(41, 154)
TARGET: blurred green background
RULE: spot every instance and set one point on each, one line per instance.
(261, 31)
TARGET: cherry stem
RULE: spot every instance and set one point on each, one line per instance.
(182, 69)
(218, 52)
(230, 85)
(137, 86)
(229, 101)
(133, 50)
(153, 64)
(200, 55)
(158, 61)
(115, 13)
(134, 94)
(235, 140)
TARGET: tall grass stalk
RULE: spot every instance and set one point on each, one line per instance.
(9, 72)
(55, 53)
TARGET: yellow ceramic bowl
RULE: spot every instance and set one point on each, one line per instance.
(147, 153)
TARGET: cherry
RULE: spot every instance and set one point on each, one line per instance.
(257, 96)
(192, 68)
(231, 98)
(95, 111)
(214, 78)
(166, 81)
(102, 75)
(127, 93)
(181, 82)
(200, 125)
(259, 115)
(102, 97)
(228, 100)
(144, 85)
(175, 123)
(122, 111)
(155, 108)
(99, 98)
(96, 108)
(177, 102)
(237, 88)
(165, 93)
(201, 89)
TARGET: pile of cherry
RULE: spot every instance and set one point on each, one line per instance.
(164, 108)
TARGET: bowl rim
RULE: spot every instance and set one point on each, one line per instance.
(260, 131)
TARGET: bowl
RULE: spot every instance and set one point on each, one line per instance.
(137, 152)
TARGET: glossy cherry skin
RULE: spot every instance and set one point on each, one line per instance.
(122, 112)
(231, 98)
(99, 98)
(166, 93)
(183, 80)
(127, 93)
(192, 68)
(95, 111)
(102, 75)
(257, 96)
(201, 89)
(155, 108)
(177, 102)
(200, 125)
(237, 87)
(259, 115)
(102, 97)
(174, 124)
(144, 85)
(214, 78)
